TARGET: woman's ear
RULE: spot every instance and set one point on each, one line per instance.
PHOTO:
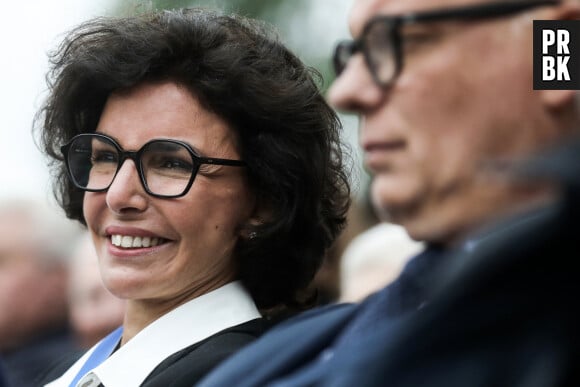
(261, 213)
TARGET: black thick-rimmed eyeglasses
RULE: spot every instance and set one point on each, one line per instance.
(381, 41)
(166, 167)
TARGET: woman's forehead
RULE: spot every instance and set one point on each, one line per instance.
(164, 110)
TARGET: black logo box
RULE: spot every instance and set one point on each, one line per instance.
(573, 27)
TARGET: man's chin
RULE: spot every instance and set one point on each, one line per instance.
(421, 222)
(392, 198)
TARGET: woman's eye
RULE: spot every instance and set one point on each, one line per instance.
(98, 157)
(174, 163)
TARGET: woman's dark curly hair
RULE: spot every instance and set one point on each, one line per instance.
(289, 136)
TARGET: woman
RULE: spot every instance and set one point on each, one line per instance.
(206, 165)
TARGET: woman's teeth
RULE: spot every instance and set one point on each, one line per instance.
(127, 241)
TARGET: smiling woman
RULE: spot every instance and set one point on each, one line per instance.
(207, 167)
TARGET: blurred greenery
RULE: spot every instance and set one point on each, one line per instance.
(262, 9)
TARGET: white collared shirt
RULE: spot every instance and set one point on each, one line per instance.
(186, 325)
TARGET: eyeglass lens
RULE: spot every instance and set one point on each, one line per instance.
(166, 167)
(379, 49)
(381, 43)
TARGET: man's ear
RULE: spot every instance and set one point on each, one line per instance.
(558, 99)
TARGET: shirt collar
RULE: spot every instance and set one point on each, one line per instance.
(186, 325)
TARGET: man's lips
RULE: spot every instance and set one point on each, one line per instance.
(383, 146)
(377, 155)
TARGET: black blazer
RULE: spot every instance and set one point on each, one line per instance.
(187, 366)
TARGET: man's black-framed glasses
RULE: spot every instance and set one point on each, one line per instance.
(381, 41)
(166, 167)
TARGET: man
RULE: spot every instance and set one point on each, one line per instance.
(448, 117)
(34, 243)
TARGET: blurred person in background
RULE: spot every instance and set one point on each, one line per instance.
(34, 244)
(484, 170)
(94, 311)
(373, 259)
(327, 281)
(207, 167)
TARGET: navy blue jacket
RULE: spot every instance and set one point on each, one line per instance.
(502, 312)
(3, 382)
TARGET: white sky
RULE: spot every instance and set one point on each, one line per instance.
(28, 31)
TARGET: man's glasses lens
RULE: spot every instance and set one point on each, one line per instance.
(381, 56)
(378, 45)
(166, 167)
(381, 40)
(342, 53)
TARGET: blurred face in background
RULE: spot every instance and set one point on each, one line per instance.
(32, 284)
(94, 311)
(463, 99)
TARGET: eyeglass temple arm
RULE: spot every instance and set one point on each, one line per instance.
(489, 10)
(217, 161)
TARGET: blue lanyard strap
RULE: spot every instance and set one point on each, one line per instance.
(104, 349)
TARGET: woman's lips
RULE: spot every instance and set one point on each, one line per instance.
(128, 241)
(133, 238)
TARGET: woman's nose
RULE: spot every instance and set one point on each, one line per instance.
(126, 192)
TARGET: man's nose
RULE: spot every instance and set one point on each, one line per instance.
(355, 90)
